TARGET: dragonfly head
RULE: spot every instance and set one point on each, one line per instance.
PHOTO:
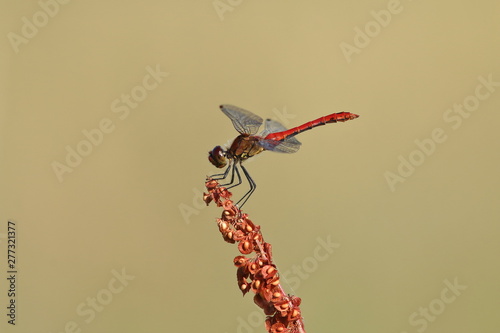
(217, 157)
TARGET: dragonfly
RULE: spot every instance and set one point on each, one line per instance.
(274, 137)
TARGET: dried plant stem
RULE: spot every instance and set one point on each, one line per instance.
(257, 273)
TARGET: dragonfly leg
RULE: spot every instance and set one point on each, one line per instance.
(253, 186)
(220, 176)
(235, 169)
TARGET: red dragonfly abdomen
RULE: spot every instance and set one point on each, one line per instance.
(332, 118)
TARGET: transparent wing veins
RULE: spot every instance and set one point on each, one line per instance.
(289, 145)
(245, 122)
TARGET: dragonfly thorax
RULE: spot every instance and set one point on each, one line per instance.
(244, 147)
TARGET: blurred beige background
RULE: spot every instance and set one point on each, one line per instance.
(118, 240)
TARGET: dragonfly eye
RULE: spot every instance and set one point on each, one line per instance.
(217, 157)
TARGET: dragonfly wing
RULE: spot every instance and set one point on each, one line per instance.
(272, 126)
(288, 145)
(245, 122)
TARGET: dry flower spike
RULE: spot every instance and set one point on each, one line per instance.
(257, 273)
